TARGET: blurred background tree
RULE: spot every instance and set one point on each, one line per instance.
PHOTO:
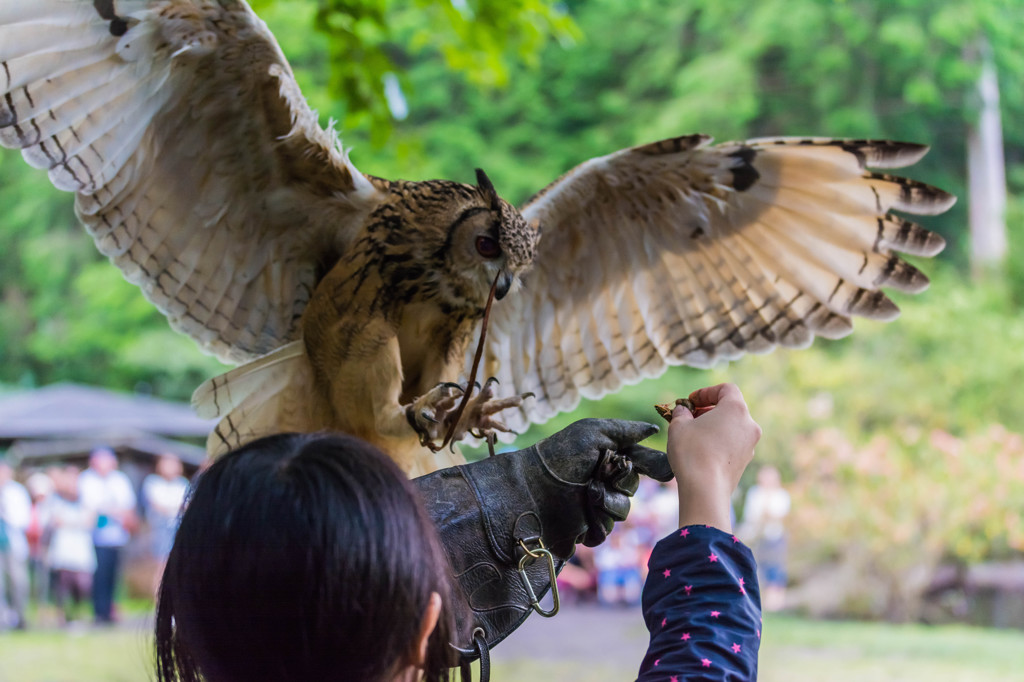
(527, 89)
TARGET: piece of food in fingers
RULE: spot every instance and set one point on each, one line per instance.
(665, 409)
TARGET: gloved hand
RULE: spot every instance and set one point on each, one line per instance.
(578, 480)
(568, 488)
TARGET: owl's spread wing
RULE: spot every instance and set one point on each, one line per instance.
(198, 167)
(678, 252)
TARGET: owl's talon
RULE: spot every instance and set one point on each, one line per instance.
(479, 419)
(431, 414)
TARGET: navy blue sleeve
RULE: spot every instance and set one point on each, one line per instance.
(702, 606)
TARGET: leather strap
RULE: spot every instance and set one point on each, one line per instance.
(482, 652)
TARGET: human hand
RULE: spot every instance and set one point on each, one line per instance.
(709, 453)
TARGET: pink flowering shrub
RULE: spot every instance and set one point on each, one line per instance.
(880, 516)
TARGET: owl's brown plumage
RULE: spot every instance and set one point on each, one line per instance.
(393, 317)
(201, 172)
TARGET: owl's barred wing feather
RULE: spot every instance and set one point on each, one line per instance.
(198, 167)
(259, 398)
(678, 252)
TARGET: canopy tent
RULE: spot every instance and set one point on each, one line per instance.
(62, 410)
(60, 424)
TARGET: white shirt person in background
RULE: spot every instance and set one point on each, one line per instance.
(71, 555)
(15, 513)
(764, 513)
(163, 493)
(107, 491)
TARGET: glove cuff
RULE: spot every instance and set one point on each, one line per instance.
(515, 504)
(483, 511)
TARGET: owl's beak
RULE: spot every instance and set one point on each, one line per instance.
(504, 284)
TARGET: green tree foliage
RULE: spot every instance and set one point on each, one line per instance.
(367, 41)
(658, 68)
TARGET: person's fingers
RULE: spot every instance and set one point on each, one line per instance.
(682, 413)
(714, 395)
(681, 417)
(650, 462)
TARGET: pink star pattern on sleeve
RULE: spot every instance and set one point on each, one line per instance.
(702, 607)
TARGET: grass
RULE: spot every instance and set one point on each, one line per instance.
(798, 650)
(793, 650)
(91, 655)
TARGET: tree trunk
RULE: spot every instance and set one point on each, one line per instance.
(987, 174)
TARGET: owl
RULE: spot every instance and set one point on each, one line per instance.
(354, 302)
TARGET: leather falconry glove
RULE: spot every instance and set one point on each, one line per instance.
(504, 513)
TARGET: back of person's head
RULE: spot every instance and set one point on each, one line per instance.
(305, 558)
(66, 482)
(102, 460)
(169, 466)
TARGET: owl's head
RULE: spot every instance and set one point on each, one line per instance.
(503, 244)
(449, 241)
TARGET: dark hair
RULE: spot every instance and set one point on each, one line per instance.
(300, 558)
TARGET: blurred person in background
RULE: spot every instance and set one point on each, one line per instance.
(71, 555)
(107, 492)
(619, 562)
(577, 581)
(662, 507)
(15, 513)
(764, 513)
(40, 487)
(163, 493)
(654, 514)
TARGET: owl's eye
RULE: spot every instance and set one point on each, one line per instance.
(487, 247)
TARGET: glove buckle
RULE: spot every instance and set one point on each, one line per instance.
(527, 559)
